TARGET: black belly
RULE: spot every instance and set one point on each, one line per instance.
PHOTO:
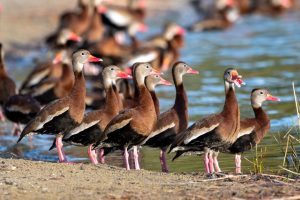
(86, 137)
(162, 140)
(46, 97)
(242, 144)
(19, 117)
(124, 137)
(209, 140)
(60, 124)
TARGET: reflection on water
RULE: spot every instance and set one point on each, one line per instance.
(265, 51)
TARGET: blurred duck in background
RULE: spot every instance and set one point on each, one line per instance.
(218, 15)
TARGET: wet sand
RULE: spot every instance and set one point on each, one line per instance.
(24, 179)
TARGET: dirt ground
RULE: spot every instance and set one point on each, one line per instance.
(26, 23)
(24, 179)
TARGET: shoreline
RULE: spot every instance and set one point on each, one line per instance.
(26, 179)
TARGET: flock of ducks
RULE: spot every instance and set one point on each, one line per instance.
(122, 112)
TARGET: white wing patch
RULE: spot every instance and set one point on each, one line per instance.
(38, 77)
(198, 132)
(118, 125)
(50, 117)
(158, 131)
(246, 131)
(142, 58)
(81, 127)
(16, 108)
(117, 18)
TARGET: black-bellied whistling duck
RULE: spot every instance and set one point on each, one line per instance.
(93, 124)
(66, 17)
(252, 130)
(161, 40)
(58, 84)
(77, 23)
(269, 7)
(227, 14)
(173, 120)
(133, 125)
(151, 82)
(49, 69)
(63, 114)
(7, 85)
(113, 50)
(119, 18)
(20, 109)
(215, 132)
(96, 29)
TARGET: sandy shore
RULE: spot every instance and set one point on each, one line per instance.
(24, 179)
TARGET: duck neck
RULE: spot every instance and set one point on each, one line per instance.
(120, 103)
(111, 101)
(145, 99)
(231, 108)
(155, 101)
(181, 102)
(231, 113)
(78, 90)
(2, 67)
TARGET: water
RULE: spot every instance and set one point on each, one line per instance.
(264, 50)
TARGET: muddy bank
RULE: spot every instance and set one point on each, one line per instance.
(24, 179)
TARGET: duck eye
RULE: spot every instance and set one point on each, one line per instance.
(147, 66)
(228, 73)
(184, 65)
(261, 92)
(111, 68)
(82, 53)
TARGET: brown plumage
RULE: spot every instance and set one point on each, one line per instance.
(7, 85)
(216, 132)
(175, 119)
(63, 114)
(252, 130)
(90, 130)
(131, 126)
(56, 84)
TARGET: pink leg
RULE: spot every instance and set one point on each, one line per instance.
(101, 156)
(16, 129)
(92, 155)
(216, 163)
(211, 162)
(163, 161)
(206, 163)
(136, 158)
(238, 164)
(59, 145)
(2, 117)
(126, 156)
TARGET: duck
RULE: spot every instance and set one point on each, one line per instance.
(252, 130)
(76, 22)
(20, 109)
(133, 125)
(48, 70)
(268, 7)
(174, 120)
(170, 31)
(119, 18)
(58, 84)
(113, 50)
(7, 84)
(93, 124)
(226, 15)
(63, 114)
(215, 132)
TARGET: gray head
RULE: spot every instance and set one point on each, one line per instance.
(258, 96)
